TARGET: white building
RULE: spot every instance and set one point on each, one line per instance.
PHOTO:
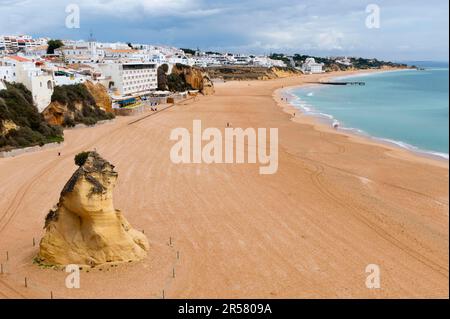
(81, 52)
(265, 61)
(130, 78)
(180, 59)
(127, 54)
(36, 52)
(19, 42)
(344, 61)
(310, 66)
(40, 83)
(7, 70)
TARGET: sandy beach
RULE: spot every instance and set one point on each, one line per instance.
(337, 204)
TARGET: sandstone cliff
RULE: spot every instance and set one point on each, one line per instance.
(231, 73)
(85, 103)
(21, 124)
(84, 228)
(196, 78)
(100, 95)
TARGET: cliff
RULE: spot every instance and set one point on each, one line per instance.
(100, 95)
(84, 228)
(184, 78)
(85, 103)
(21, 124)
(229, 73)
(195, 77)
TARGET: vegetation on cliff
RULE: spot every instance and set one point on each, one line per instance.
(234, 72)
(21, 124)
(162, 77)
(330, 64)
(74, 104)
(183, 78)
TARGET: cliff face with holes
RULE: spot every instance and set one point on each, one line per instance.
(84, 228)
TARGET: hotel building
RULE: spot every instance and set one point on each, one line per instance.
(310, 66)
(129, 79)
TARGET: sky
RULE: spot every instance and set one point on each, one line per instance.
(409, 30)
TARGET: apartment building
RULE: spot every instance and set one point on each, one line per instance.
(22, 70)
(311, 66)
(128, 79)
(19, 42)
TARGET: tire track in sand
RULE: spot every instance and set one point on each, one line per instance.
(354, 211)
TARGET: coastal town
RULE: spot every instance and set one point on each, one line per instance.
(128, 71)
(131, 77)
(90, 183)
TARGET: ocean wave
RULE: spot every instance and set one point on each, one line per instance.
(309, 110)
(413, 148)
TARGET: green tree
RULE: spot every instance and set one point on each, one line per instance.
(162, 77)
(53, 45)
(81, 158)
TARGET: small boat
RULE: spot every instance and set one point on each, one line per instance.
(336, 124)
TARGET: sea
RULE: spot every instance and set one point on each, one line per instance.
(408, 108)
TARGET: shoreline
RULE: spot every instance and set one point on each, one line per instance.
(309, 231)
(350, 132)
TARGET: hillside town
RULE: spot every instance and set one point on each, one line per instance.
(84, 82)
(127, 70)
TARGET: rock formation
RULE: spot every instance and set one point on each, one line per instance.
(56, 112)
(84, 228)
(21, 124)
(196, 78)
(85, 103)
(233, 73)
(100, 95)
(184, 77)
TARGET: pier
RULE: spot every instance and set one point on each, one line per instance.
(360, 83)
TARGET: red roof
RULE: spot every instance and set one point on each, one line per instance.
(18, 58)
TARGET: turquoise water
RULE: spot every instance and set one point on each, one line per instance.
(409, 108)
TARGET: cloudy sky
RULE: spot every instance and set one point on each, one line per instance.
(409, 29)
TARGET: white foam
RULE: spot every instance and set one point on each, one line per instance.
(308, 109)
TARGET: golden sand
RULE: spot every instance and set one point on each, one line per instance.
(337, 204)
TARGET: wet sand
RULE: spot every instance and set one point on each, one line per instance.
(336, 204)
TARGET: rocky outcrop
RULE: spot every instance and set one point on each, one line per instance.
(100, 95)
(84, 228)
(7, 126)
(57, 113)
(231, 73)
(85, 103)
(21, 124)
(195, 77)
